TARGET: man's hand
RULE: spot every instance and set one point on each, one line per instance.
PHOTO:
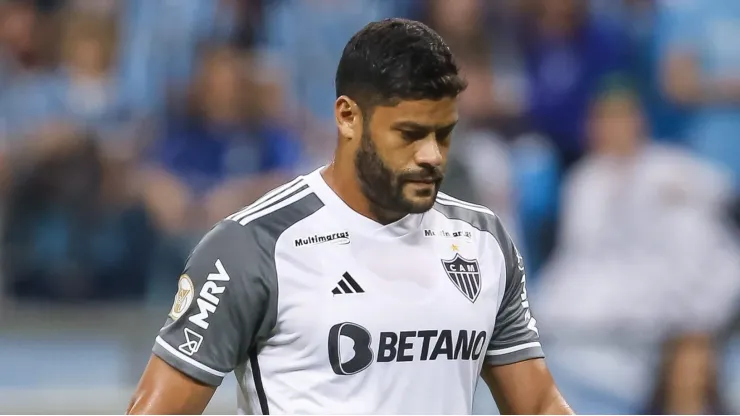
(163, 390)
(525, 388)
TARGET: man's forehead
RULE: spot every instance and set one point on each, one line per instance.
(429, 113)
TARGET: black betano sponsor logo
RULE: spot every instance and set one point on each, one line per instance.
(430, 345)
(337, 238)
(403, 346)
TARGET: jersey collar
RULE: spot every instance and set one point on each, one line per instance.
(356, 221)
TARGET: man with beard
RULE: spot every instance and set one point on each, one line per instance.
(358, 288)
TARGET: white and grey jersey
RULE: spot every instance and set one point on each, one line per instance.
(318, 309)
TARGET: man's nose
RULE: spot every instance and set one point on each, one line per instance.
(429, 152)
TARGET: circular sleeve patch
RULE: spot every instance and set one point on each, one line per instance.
(183, 297)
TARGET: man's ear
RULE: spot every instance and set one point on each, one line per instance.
(348, 117)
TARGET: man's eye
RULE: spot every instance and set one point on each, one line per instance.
(444, 135)
(413, 135)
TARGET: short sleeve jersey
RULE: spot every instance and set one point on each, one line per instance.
(318, 309)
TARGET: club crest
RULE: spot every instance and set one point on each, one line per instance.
(465, 275)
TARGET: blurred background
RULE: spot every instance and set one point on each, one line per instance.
(605, 133)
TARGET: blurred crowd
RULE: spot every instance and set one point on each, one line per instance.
(605, 133)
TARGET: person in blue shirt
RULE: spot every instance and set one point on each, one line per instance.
(218, 152)
(567, 53)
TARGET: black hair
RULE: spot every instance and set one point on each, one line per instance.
(395, 60)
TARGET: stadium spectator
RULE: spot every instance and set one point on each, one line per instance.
(20, 49)
(158, 56)
(214, 154)
(461, 23)
(83, 90)
(567, 52)
(626, 278)
(24, 53)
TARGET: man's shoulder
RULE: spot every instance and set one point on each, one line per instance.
(478, 216)
(276, 210)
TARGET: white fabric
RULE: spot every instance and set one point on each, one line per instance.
(405, 290)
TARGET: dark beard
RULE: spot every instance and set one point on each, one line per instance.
(384, 188)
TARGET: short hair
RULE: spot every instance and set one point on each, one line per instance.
(395, 60)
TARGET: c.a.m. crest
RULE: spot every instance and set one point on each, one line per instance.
(465, 275)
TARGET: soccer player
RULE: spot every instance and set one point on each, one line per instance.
(359, 288)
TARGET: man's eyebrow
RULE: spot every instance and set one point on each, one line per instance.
(412, 125)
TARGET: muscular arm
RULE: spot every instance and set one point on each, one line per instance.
(515, 369)
(164, 390)
(221, 308)
(525, 388)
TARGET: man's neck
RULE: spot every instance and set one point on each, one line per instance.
(341, 178)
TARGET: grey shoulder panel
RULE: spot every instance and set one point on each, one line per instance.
(484, 220)
(515, 335)
(264, 232)
(226, 303)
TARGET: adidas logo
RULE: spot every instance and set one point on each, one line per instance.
(347, 285)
